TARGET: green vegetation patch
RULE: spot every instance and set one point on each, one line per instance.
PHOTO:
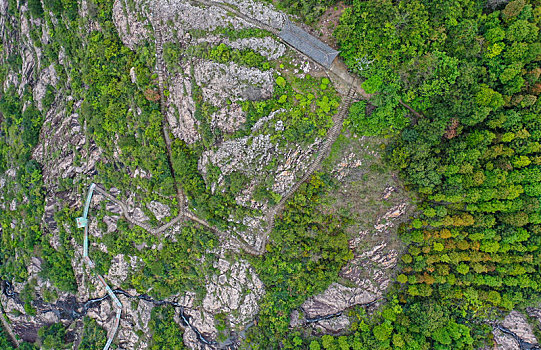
(166, 333)
(225, 54)
(306, 250)
(94, 337)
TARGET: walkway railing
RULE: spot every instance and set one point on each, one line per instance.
(83, 222)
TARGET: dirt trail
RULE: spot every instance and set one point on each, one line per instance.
(131, 220)
(223, 236)
(324, 152)
(166, 129)
(338, 73)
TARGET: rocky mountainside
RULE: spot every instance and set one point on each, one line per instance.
(205, 131)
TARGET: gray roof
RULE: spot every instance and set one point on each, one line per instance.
(308, 44)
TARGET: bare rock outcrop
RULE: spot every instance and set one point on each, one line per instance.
(260, 11)
(187, 16)
(336, 299)
(504, 341)
(46, 77)
(221, 82)
(229, 119)
(118, 271)
(518, 324)
(134, 323)
(132, 31)
(239, 154)
(234, 291)
(160, 210)
(181, 109)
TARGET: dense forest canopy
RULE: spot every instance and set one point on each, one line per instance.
(468, 144)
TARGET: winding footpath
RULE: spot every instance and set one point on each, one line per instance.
(133, 221)
(338, 72)
(82, 222)
(324, 152)
(166, 128)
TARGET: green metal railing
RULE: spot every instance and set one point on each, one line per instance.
(83, 222)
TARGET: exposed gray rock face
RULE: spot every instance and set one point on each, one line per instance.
(131, 30)
(250, 155)
(261, 122)
(4, 8)
(221, 82)
(139, 215)
(63, 134)
(47, 77)
(181, 110)
(134, 322)
(229, 119)
(239, 154)
(296, 162)
(266, 46)
(503, 341)
(187, 16)
(65, 152)
(333, 325)
(337, 298)
(518, 324)
(358, 269)
(260, 11)
(111, 222)
(118, 271)
(235, 291)
(160, 210)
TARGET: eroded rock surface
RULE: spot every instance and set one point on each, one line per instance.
(503, 341)
(186, 16)
(221, 82)
(234, 291)
(132, 31)
(336, 299)
(517, 323)
(180, 114)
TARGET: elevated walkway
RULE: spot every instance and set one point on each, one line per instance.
(82, 222)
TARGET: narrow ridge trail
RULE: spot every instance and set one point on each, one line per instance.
(131, 220)
(333, 133)
(324, 152)
(184, 215)
(166, 128)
